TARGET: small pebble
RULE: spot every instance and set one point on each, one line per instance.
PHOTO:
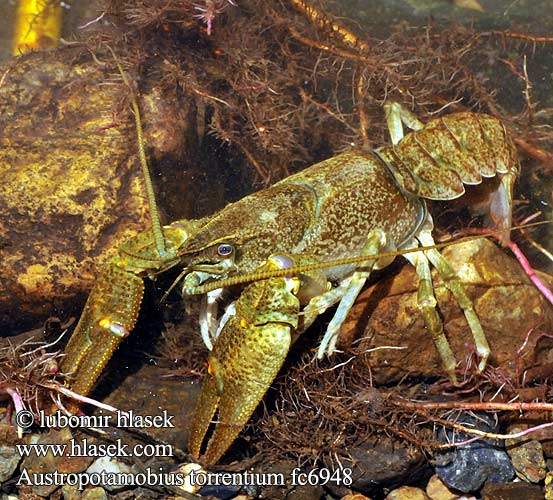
(9, 460)
(355, 496)
(407, 493)
(527, 457)
(549, 486)
(109, 464)
(70, 492)
(437, 490)
(33, 464)
(186, 469)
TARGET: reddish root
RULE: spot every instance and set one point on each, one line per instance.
(423, 407)
(27, 370)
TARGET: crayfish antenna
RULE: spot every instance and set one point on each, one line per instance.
(154, 213)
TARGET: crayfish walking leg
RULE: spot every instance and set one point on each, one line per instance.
(454, 285)
(345, 293)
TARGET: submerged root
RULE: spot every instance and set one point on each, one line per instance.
(30, 376)
(29, 371)
(325, 413)
(286, 83)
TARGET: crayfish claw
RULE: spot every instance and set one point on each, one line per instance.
(109, 315)
(246, 357)
(244, 362)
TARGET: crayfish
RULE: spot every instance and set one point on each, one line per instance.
(357, 204)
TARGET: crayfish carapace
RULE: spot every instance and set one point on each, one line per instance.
(354, 204)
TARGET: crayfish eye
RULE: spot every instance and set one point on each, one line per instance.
(224, 250)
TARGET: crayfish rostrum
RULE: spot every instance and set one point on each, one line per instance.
(356, 204)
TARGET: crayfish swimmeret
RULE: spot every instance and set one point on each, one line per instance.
(355, 204)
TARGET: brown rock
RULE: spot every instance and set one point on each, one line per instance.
(512, 491)
(68, 169)
(437, 490)
(9, 460)
(70, 492)
(72, 190)
(97, 493)
(527, 457)
(34, 464)
(383, 461)
(543, 436)
(25, 493)
(8, 435)
(386, 316)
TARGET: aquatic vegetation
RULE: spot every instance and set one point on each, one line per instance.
(286, 84)
(209, 9)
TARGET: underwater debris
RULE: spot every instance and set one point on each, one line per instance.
(38, 25)
(284, 84)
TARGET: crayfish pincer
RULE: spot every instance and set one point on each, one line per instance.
(357, 204)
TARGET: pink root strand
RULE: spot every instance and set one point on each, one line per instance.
(523, 261)
(18, 404)
(84, 399)
(423, 407)
(539, 284)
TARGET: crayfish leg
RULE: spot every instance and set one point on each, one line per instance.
(426, 301)
(398, 115)
(501, 206)
(346, 293)
(455, 286)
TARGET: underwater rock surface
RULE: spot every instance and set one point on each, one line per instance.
(72, 190)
